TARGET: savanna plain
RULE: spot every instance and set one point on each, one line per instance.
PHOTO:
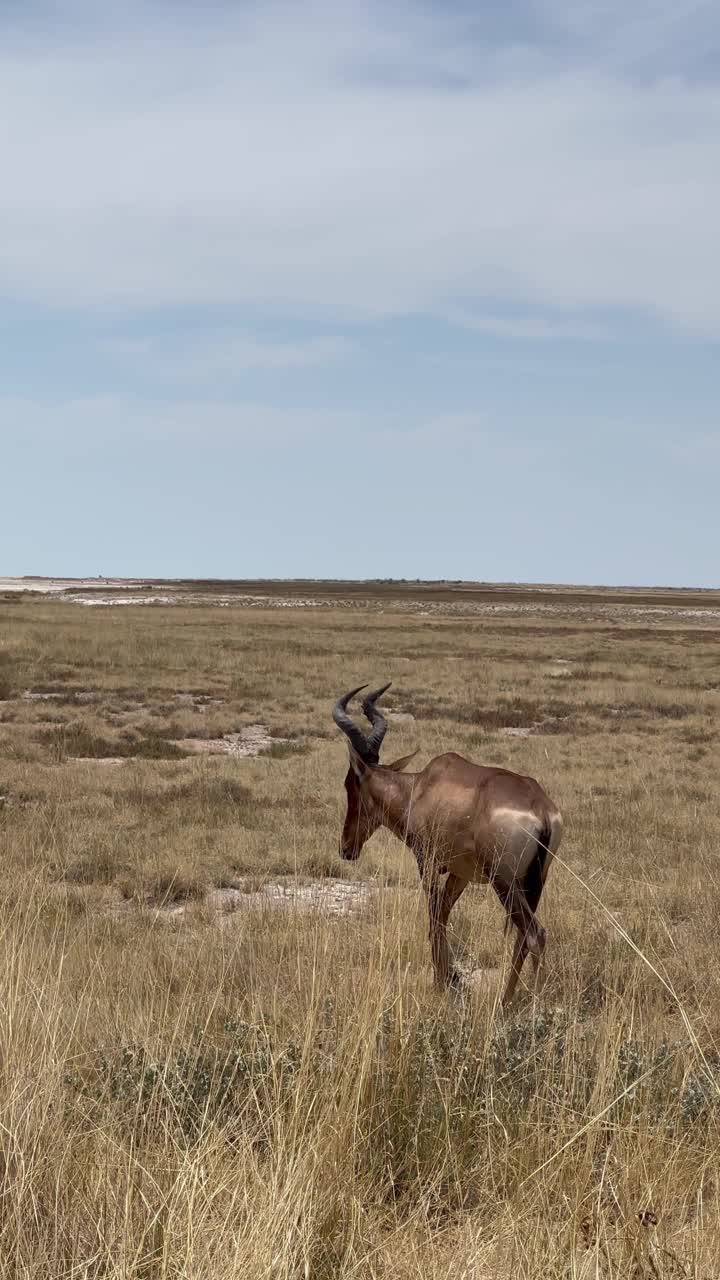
(222, 1054)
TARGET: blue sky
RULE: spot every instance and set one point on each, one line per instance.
(346, 290)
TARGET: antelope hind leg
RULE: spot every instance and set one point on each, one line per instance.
(520, 951)
(530, 935)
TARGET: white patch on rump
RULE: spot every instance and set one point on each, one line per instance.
(522, 817)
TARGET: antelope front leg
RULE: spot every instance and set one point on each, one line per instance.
(441, 900)
(438, 933)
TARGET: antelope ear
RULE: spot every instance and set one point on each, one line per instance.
(359, 766)
(398, 765)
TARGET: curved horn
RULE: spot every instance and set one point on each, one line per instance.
(356, 736)
(376, 718)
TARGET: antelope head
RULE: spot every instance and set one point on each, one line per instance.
(363, 781)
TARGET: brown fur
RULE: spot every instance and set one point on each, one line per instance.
(464, 822)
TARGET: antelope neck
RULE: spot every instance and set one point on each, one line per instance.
(392, 793)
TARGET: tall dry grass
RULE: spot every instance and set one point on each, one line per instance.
(282, 1093)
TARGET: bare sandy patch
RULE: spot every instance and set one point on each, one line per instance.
(326, 897)
(559, 668)
(111, 601)
(198, 701)
(52, 586)
(485, 981)
(253, 740)
(106, 761)
(82, 696)
(552, 725)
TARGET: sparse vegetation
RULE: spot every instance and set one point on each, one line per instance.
(281, 1094)
(78, 741)
(7, 677)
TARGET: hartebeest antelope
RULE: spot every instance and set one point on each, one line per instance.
(462, 821)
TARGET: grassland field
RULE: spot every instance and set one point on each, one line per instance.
(221, 1053)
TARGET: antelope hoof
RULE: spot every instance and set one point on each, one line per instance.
(536, 942)
(451, 981)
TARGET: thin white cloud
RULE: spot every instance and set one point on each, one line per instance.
(101, 424)
(528, 325)
(301, 159)
(201, 356)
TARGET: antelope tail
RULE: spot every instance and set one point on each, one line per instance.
(533, 880)
(534, 877)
